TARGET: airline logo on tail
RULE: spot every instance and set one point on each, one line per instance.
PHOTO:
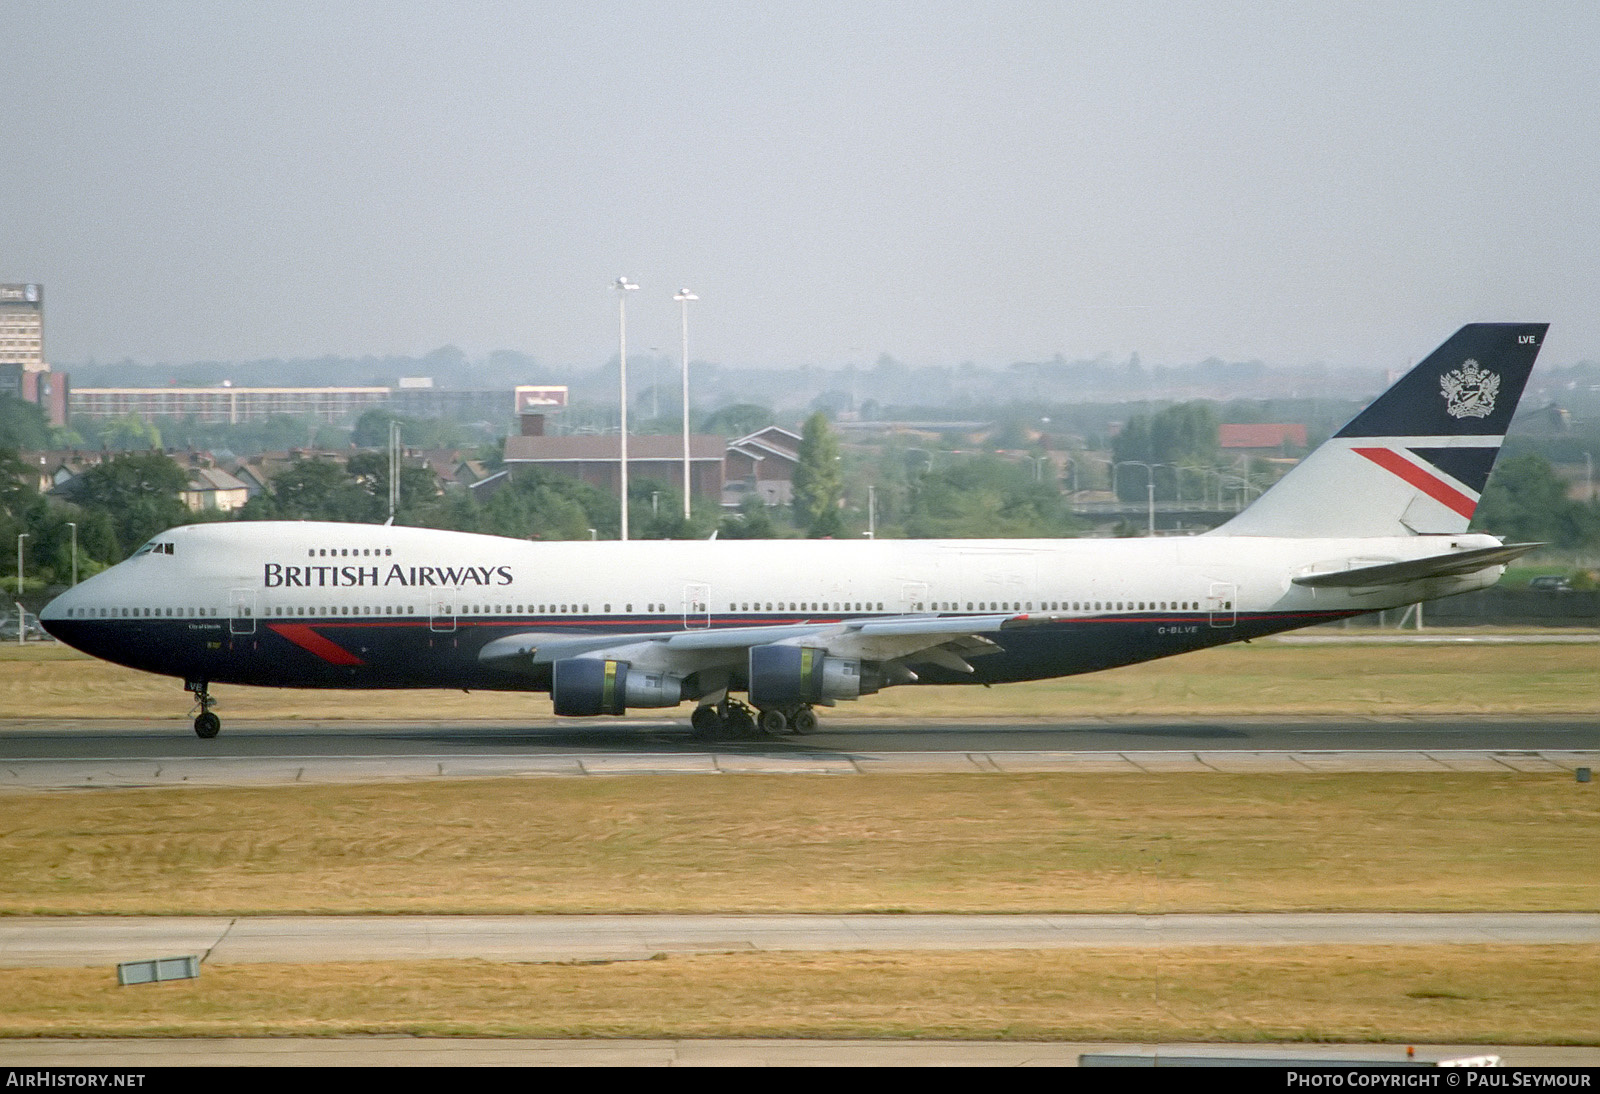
(1469, 391)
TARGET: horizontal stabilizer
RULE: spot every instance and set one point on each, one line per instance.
(1397, 573)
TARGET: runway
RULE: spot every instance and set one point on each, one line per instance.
(38, 755)
(155, 1052)
(227, 940)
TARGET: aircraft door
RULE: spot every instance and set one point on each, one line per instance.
(1222, 603)
(241, 611)
(914, 597)
(442, 608)
(696, 607)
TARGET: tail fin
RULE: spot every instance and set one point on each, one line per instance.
(1414, 462)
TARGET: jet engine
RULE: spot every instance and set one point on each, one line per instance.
(585, 686)
(785, 676)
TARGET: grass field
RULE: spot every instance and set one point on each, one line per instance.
(1067, 842)
(49, 681)
(976, 843)
(1483, 994)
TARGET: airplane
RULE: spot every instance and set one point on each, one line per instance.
(1374, 518)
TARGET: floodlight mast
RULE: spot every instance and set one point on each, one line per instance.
(683, 297)
(623, 287)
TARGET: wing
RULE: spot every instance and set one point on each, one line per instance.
(907, 640)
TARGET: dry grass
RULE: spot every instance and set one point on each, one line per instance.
(51, 681)
(1068, 842)
(1485, 994)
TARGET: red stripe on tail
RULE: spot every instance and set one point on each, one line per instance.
(1436, 488)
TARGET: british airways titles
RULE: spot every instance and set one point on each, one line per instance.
(280, 575)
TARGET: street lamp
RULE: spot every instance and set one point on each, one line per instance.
(1073, 460)
(1110, 464)
(22, 630)
(74, 526)
(683, 296)
(1150, 486)
(623, 287)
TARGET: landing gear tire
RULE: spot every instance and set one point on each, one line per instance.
(803, 720)
(206, 724)
(706, 720)
(772, 720)
(738, 718)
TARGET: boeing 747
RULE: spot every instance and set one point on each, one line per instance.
(1375, 518)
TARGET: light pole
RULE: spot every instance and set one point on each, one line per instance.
(1150, 486)
(683, 296)
(1113, 466)
(394, 467)
(623, 287)
(74, 526)
(22, 630)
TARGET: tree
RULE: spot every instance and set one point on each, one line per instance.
(818, 481)
(752, 522)
(22, 425)
(1178, 435)
(738, 420)
(139, 492)
(987, 497)
(537, 504)
(1526, 502)
(314, 490)
(130, 433)
(372, 428)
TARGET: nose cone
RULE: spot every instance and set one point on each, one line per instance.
(64, 616)
(54, 613)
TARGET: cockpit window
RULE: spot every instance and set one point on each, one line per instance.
(154, 548)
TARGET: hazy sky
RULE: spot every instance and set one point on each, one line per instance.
(940, 181)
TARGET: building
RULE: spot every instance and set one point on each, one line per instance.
(595, 459)
(24, 373)
(534, 403)
(226, 403)
(22, 326)
(761, 465)
(1263, 437)
(212, 489)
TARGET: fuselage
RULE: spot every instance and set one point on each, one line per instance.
(364, 606)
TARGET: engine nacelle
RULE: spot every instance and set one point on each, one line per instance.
(784, 676)
(582, 687)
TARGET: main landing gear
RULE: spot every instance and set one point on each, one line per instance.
(738, 719)
(206, 724)
(797, 719)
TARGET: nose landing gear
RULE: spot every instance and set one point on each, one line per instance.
(206, 724)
